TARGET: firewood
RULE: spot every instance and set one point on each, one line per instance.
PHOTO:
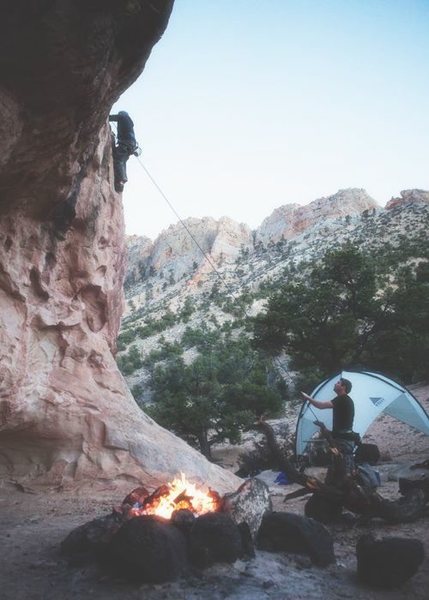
(350, 493)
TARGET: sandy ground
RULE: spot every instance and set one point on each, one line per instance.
(33, 525)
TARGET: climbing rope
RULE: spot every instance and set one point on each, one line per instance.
(208, 259)
(206, 256)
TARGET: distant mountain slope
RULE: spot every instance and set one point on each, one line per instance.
(175, 252)
(171, 285)
(289, 221)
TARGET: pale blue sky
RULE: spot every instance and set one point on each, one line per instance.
(245, 105)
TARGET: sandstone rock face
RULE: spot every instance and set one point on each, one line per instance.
(66, 415)
(292, 219)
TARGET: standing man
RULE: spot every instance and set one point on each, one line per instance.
(125, 146)
(342, 423)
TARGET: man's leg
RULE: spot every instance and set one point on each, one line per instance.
(342, 464)
(347, 448)
(120, 157)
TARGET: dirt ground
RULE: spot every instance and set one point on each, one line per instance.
(32, 525)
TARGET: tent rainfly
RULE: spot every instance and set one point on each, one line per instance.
(372, 394)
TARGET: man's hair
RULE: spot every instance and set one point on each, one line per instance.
(346, 384)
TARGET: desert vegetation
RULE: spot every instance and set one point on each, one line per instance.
(352, 294)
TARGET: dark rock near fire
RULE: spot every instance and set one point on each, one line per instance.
(149, 550)
(287, 532)
(248, 504)
(89, 541)
(322, 509)
(389, 562)
(183, 519)
(214, 538)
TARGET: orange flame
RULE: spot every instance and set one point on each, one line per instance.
(180, 494)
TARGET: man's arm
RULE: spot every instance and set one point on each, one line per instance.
(318, 403)
(113, 118)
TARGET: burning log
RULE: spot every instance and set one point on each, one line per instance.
(180, 494)
(138, 494)
(183, 498)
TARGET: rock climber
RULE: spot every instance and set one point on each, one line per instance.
(125, 146)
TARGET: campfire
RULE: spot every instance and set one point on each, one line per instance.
(160, 536)
(157, 537)
(179, 494)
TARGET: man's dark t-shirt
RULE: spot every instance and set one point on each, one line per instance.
(343, 414)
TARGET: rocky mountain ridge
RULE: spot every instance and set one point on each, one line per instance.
(291, 220)
(219, 290)
(199, 245)
(174, 252)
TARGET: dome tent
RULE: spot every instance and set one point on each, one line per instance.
(372, 394)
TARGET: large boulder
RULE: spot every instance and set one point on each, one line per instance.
(214, 537)
(149, 550)
(90, 541)
(248, 504)
(389, 562)
(287, 532)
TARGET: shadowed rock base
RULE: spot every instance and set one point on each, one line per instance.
(148, 549)
(288, 532)
(389, 562)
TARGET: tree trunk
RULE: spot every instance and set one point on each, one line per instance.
(205, 447)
